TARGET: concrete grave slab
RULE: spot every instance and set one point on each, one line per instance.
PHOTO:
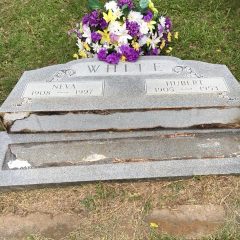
(32, 159)
(155, 92)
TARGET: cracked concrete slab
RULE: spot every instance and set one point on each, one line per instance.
(60, 158)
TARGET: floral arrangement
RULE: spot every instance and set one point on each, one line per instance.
(121, 30)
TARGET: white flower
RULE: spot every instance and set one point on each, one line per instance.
(154, 40)
(80, 44)
(87, 34)
(135, 17)
(143, 40)
(118, 13)
(123, 35)
(112, 5)
(144, 27)
(162, 21)
(96, 47)
(115, 27)
(106, 45)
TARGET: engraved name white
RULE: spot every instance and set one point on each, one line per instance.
(187, 85)
(63, 89)
(140, 67)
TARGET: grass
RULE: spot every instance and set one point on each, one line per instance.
(117, 210)
(33, 35)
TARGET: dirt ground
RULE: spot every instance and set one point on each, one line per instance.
(117, 210)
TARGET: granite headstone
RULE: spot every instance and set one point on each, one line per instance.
(155, 92)
(87, 120)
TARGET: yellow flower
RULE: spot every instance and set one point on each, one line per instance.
(109, 17)
(151, 6)
(153, 225)
(86, 46)
(169, 50)
(176, 34)
(75, 55)
(135, 45)
(148, 42)
(81, 28)
(151, 25)
(105, 36)
(163, 44)
(218, 50)
(123, 58)
(169, 37)
(83, 54)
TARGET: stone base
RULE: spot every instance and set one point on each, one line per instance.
(32, 159)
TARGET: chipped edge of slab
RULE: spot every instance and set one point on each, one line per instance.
(122, 171)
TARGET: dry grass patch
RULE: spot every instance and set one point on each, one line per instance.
(117, 210)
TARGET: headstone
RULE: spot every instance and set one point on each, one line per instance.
(87, 120)
(155, 92)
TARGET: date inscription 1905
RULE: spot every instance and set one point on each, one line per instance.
(184, 86)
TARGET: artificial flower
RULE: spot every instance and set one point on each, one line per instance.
(120, 32)
(112, 5)
(134, 16)
(109, 17)
(151, 25)
(169, 50)
(87, 34)
(152, 7)
(105, 36)
(176, 35)
(129, 3)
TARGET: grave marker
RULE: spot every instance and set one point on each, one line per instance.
(86, 120)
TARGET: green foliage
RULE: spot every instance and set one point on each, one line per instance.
(125, 9)
(33, 34)
(89, 203)
(94, 4)
(143, 4)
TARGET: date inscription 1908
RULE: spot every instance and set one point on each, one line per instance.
(64, 89)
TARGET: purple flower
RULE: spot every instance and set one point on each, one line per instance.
(154, 51)
(94, 18)
(113, 58)
(102, 54)
(168, 24)
(148, 17)
(133, 28)
(113, 37)
(96, 36)
(160, 29)
(121, 3)
(130, 53)
(165, 37)
(103, 24)
(85, 19)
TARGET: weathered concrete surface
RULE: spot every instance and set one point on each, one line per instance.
(188, 221)
(84, 157)
(89, 95)
(14, 227)
(109, 151)
(129, 120)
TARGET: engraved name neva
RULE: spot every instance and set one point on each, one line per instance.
(66, 89)
(191, 85)
(140, 67)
